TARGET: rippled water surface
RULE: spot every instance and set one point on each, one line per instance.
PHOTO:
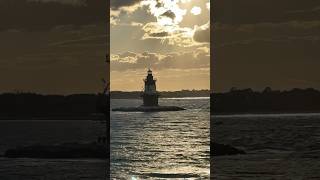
(15, 133)
(161, 145)
(280, 147)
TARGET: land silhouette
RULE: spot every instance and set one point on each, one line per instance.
(238, 101)
(31, 105)
(23, 105)
(83, 106)
(163, 94)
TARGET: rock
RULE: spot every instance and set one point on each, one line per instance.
(222, 150)
(148, 109)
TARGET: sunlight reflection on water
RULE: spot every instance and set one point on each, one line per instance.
(161, 145)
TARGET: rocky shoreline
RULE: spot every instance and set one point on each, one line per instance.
(148, 109)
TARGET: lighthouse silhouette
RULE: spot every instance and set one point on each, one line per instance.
(150, 99)
(150, 95)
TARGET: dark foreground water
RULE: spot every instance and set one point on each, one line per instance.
(280, 147)
(161, 145)
(20, 133)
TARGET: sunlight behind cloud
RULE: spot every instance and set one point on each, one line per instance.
(185, 1)
(165, 9)
(171, 36)
(196, 10)
(169, 14)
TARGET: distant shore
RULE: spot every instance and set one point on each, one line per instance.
(32, 106)
(93, 117)
(268, 101)
(265, 113)
(163, 94)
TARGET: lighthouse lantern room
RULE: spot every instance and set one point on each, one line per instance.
(150, 94)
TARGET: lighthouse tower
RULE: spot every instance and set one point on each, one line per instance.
(150, 95)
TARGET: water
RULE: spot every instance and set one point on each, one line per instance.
(172, 145)
(279, 147)
(161, 145)
(15, 133)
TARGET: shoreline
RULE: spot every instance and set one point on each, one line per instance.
(91, 117)
(267, 113)
(101, 117)
(173, 97)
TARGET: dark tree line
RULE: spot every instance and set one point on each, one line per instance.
(266, 101)
(15, 105)
(31, 105)
(163, 94)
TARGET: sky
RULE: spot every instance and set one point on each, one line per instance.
(172, 37)
(52, 46)
(59, 46)
(266, 43)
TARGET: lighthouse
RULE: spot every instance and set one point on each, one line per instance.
(150, 99)
(150, 95)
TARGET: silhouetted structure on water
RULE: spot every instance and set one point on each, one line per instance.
(150, 95)
(150, 99)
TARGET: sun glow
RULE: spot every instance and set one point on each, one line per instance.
(164, 10)
(196, 10)
(168, 26)
(208, 5)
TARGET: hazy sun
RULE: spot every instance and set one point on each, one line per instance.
(169, 14)
(196, 10)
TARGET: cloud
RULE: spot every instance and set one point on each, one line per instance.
(257, 51)
(169, 14)
(199, 58)
(118, 8)
(62, 60)
(127, 54)
(252, 11)
(175, 35)
(122, 6)
(118, 4)
(202, 33)
(166, 27)
(159, 34)
(46, 14)
(267, 62)
(132, 24)
(276, 32)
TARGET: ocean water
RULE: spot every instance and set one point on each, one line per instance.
(161, 145)
(15, 133)
(278, 146)
(172, 145)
